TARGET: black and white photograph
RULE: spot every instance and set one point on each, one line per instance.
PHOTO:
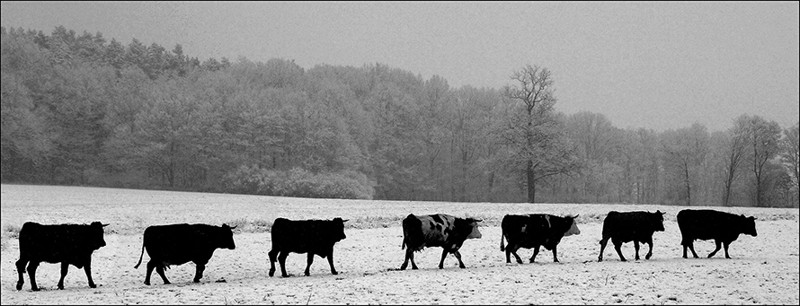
(387, 153)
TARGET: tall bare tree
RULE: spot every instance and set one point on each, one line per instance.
(791, 152)
(764, 138)
(737, 144)
(534, 134)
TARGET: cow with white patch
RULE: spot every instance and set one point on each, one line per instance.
(438, 230)
(533, 231)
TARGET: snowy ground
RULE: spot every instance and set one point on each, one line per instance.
(764, 269)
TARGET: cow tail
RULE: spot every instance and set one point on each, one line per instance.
(140, 258)
(502, 235)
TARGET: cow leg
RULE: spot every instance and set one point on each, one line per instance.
(650, 250)
(282, 261)
(330, 262)
(409, 256)
(20, 270)
(160, 271)
(516, 256)
(150, 266)
(273, 256)
(685, 242)
(64, 269)
(618, 248)
(636, 247)
(308, 263)
(88, 269)
(441, 262)
(719, 245)
(535, 252)
(603, 243)
(458, 256)
(555, 257)
(199, 272)
(32, 274)
(691, 247)
(726, 244)
(685, 248)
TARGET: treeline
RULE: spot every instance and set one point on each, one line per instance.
(81, 110)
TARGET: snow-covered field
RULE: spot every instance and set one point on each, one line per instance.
(763, 269)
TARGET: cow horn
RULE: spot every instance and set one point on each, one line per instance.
(345, 220)
(234, 227)
(104, 225)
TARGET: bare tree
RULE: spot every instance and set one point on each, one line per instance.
(764, 137)
(791, 152)
(534, 135)
(736, 147)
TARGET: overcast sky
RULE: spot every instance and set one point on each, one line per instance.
(655, 65)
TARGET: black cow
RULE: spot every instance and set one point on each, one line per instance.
(315, 237)
(177, 244)
(69, 244)
(636, 226)
(533, 231)
(706, 224)
(437, 230)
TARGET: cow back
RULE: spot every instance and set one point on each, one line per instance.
(438, 230)
(53, 243)
(632, 225)
(713, 224)
(301, 236)
(181, 243)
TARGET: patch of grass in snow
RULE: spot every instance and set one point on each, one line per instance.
(12, 230)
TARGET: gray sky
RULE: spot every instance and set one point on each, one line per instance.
(643, 64)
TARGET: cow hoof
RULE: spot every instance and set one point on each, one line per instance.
(19, 286)
(34, 288)
(306, 273)
(92, 286)
(334, 273)
(623, 259)
(167, 283)
(147, 283)
(271, 273)
(60, 287)
(196, 281)
(414, 268)
(647, 257)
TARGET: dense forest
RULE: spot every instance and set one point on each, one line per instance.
(81, 110)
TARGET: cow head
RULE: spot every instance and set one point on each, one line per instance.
(225, 237)
(658, 221)
(573, 228)
(338, 228)
(95, 238)
(749, 226)
(473, 225)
